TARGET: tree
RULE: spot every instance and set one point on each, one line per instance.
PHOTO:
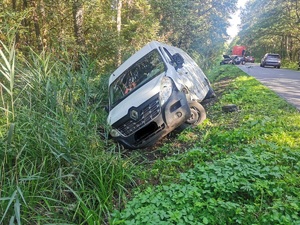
(196, 26)
(109, 31)
(271, 28)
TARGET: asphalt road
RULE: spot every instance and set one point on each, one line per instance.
(286, 83)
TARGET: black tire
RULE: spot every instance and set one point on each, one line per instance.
(198, 114)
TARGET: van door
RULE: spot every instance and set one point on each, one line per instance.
(191, 76)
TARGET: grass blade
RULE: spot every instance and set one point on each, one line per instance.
(11, 199)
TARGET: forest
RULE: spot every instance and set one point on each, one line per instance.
(108, 31)
(271, 26)
(58, 165)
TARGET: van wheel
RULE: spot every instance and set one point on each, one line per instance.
(198, 114)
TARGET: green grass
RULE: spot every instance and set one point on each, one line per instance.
(59, 167)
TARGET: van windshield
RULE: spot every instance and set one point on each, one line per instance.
(148, 67)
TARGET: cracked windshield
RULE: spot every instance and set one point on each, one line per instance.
(141, 72)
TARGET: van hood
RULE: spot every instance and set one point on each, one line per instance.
(135, 99)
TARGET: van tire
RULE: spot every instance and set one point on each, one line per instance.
(198, 114)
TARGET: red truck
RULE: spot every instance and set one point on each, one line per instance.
(239, 50)
(238, 54)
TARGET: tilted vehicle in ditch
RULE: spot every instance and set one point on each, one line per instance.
(153, 92)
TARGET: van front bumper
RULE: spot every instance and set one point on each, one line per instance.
(146, 124)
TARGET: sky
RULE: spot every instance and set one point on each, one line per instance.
(235, 21)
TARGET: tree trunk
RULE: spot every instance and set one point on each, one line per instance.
(78, 13)
(119, 24)
(37, 29)
(25, 22)
(44, 27)
(14, 7)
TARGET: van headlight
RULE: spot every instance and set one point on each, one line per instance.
(114, 133)
(166, 87)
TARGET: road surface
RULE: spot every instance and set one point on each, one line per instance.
(286, 83)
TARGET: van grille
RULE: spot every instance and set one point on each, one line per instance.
(147, 114)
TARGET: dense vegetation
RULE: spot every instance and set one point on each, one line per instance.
(111, 30)
(271, 26)
(58, 165)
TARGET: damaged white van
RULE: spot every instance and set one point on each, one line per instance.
(156, 90)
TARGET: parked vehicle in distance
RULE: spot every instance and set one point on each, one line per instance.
(250, 59)
(238, 60)
(271, 59)
(156, 90)
(227, 60)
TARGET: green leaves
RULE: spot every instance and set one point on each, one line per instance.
(230, 190)
(196, 26)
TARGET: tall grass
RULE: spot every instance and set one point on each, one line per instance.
(59, 166)
(7, 79)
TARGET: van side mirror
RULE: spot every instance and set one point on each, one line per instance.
(178, 60)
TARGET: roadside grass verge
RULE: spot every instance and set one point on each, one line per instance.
(236, 168)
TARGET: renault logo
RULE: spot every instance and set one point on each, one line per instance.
(134, 114)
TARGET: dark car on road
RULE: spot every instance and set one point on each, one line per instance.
(226, 60)
(271, 59)
(237, 60)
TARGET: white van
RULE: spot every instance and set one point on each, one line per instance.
(156, 90)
